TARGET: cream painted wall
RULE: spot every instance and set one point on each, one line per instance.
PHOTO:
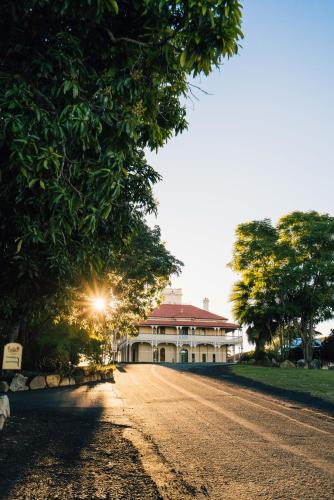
(145, 329)
(145, 353)
(172, 354)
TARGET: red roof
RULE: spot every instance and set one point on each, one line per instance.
(199, 324)
(183, 311)
(186, 315)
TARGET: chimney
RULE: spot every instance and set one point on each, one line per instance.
(172, 296)
(206, 304)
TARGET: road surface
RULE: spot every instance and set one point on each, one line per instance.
(228, 442)
(178, 434)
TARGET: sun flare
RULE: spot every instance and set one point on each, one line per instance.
(99, 303)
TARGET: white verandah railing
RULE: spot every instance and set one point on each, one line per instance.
(192, 340)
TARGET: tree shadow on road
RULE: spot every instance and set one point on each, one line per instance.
(225, 374)
(50, 451)
(39, 442)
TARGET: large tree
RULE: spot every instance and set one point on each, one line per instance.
(254, 296)
(287, 275)
(86, 86)
(308, 268)
(129, 289)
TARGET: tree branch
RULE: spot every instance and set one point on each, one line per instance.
(126, 39)
(198, 88)
(138, 42)
(45, 99)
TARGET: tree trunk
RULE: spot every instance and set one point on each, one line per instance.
(281, 341)
(259, 349)
(307, 336)
(14, 333)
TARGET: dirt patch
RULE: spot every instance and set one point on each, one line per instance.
(72, 453)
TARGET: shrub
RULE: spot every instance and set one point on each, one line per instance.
(327, 350)
(58, 348)
(246, 356)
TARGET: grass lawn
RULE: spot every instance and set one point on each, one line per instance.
(318, 383)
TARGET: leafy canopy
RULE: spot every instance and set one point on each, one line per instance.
(287, 274)
(86, 86)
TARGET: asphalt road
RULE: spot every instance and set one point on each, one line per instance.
(197, 436)
(225, 441)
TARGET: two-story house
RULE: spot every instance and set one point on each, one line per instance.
(179, 333)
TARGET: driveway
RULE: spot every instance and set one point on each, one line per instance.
(165, 432)
(225, 441)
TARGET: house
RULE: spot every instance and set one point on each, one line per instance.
(177, 333)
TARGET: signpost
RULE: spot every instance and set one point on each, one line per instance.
(12, 356)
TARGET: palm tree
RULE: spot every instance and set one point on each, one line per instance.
(255, 311)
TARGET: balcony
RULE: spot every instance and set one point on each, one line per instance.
(192, 340)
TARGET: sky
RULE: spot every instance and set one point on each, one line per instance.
(260, 146)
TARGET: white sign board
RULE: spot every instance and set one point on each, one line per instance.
(12, 356)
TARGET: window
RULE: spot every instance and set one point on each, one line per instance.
(184, 356)
(184, 330)
(213, 358)
(161, 330)
(193, 331)
(193, 357)
(203, 358)
(203, 331)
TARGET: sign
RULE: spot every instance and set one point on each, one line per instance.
(12, 356)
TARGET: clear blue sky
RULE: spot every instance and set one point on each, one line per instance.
(260, 146)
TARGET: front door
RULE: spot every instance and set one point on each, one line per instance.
(184, 356)
(162, 354)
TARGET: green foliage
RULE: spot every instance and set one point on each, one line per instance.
(138, 274)
(287, 277)
(85, 88)
(58, 347)
(253, 296)
(246, 356)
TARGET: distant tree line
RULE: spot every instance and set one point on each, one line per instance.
(286, 285)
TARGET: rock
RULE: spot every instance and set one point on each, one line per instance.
(18, 383)
(72, 380)
(287, 364)
(324, 367)
(38, 382)
(315, 364)
(275, 363)
(300, 363)
(64, 381)
(6, 386)
(52, 380)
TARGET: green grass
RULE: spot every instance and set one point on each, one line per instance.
(318, 383)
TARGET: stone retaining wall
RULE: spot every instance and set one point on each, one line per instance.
(19, 382)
